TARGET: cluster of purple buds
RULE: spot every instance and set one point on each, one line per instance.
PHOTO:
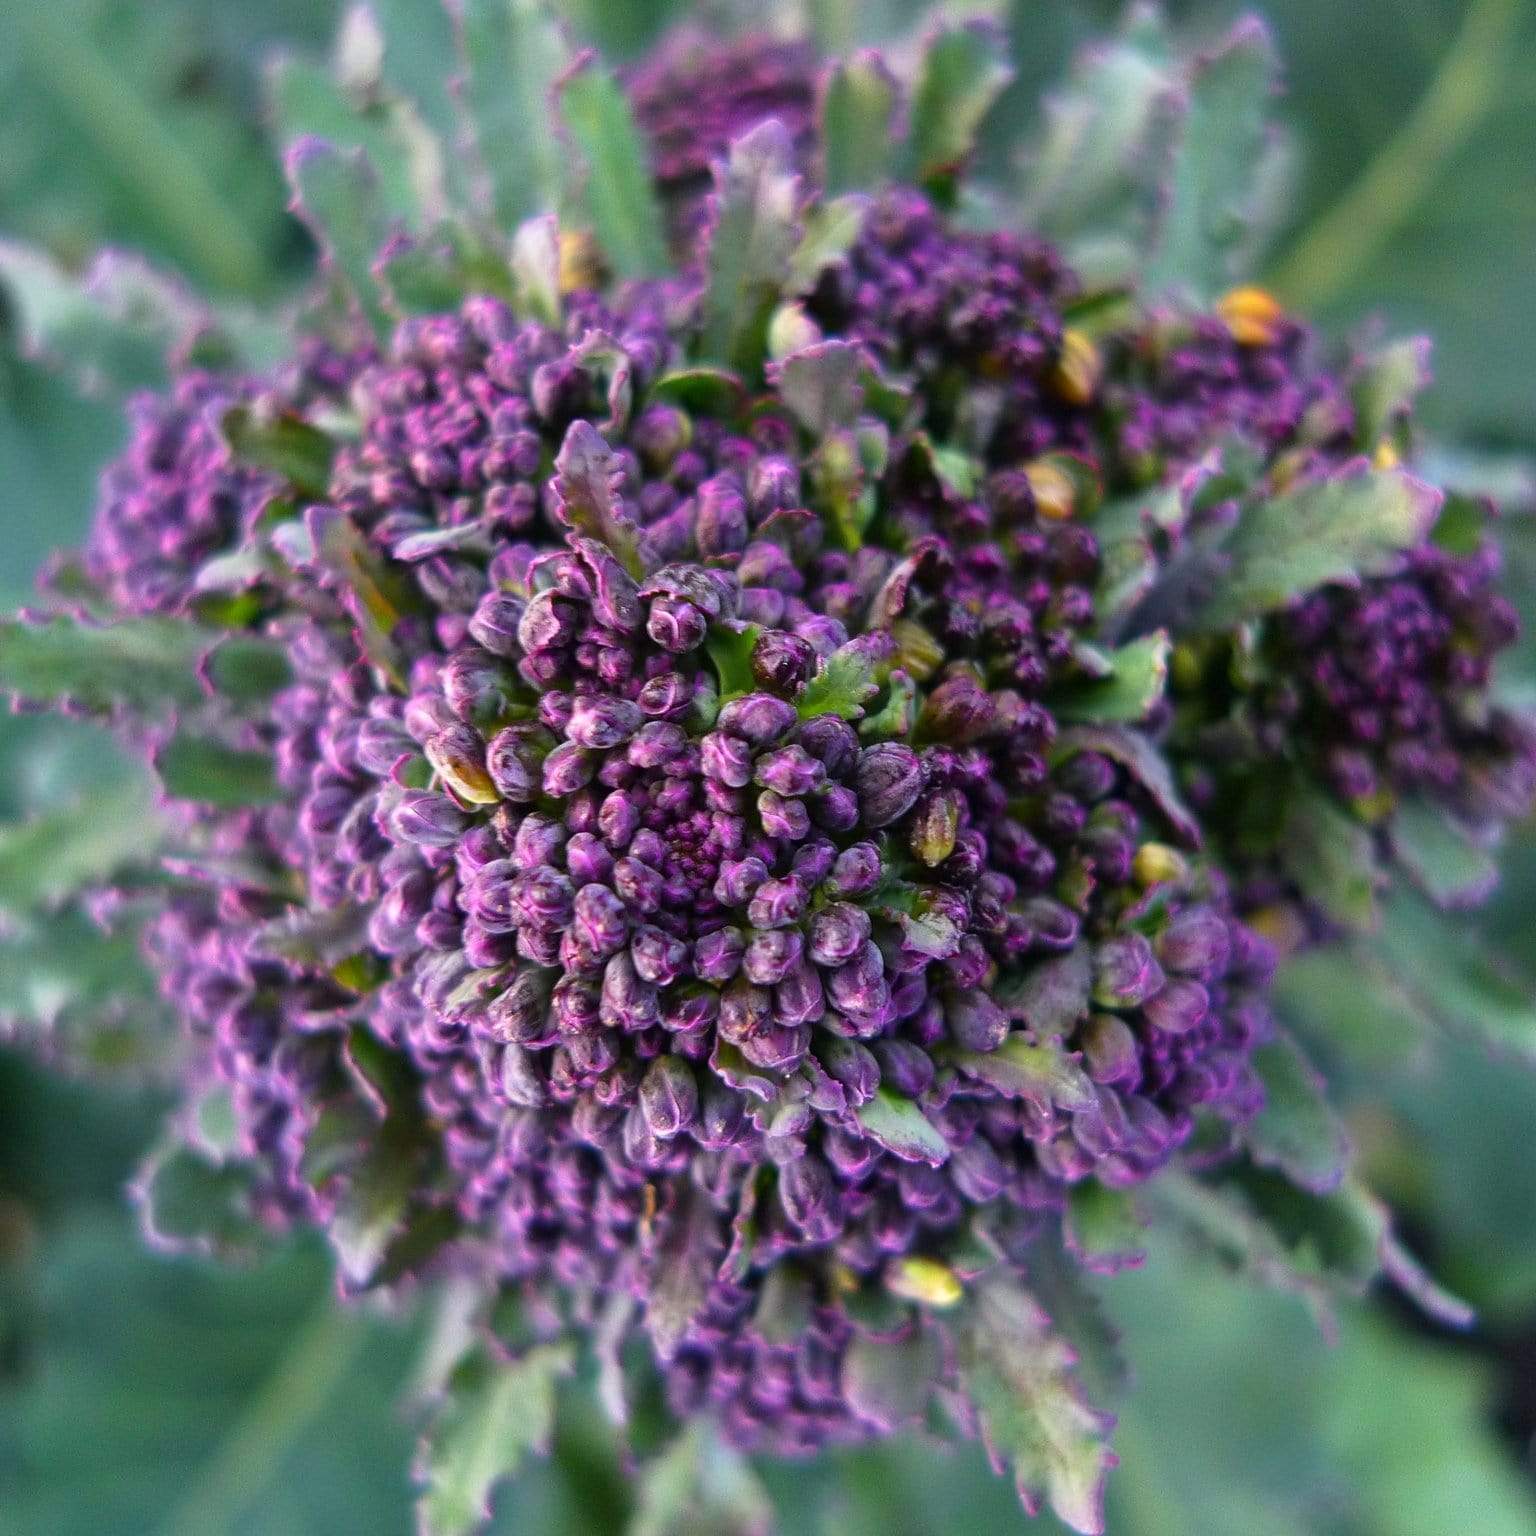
(694, 873)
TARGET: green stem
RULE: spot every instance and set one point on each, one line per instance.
(1348, 236)
(250, 1454)
(124, 132)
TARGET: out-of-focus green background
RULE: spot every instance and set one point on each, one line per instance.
(140, 1395)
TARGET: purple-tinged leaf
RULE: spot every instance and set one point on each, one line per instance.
(963, 71)
(1019, 1379)
(1045, 1075)
(858, 109)
(1145, 764)
(1102, 1228)
(887, 1381)
(899, 1126)
(588, 475)
(1296, 1131)
(336, 195)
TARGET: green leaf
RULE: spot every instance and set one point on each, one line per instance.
(1051, 996)
(1101, 1228)
(1459, 981)
(1089, 179)
(858, 106)
(336, 194)
(1347, 1001)
(754, 237)
(513, 57)
(182, 1398)
(588, 474)
(373, 596)
(844, 682)
(1296, 1131)
(1209, 201)
(1326, 531)
(618, 191)
(144, 665)
(684, 1267)
(1043, 1074)
(902, 1129)
(103, 343)
(1144, 762)
(193, 766)
(700, 1486)
(65, 850)
(1035, 1424)
(1332, 859)
(1384, 386)
(821, 384)
(963, 71)
(1443, 860)
(832, 229)
(288, 446)
(405, 156)
(189, 1204)
(888, 1381)
(1136, 682)
(494, 1415)
(730, 650)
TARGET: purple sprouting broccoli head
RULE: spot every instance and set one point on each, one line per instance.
(731, 790)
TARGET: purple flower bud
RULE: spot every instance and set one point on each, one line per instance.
(566, 769)
(601, 722)
(659, 957)
(958, 710)
(1125, 972)
(782, 662)
(976, 1023)
(789, 771)
(722, 1120)
(726, 759)
(600, 921)
(832, 742)
(548, 622)
(857, 871)
(428, 820)
(935, 826)
(904, 1067)
(666, 696)
(745, 1011)
(494, 623)
(381, 743)
(457, 755)
(770, 955)
(1195, 943)
(676, 625)
(1179, 1007)
(628, 1003)
(669, 1097)
(717, 956)
(838, 933)
(781, 818)
(515, 763)
(721, 528)
(889, 778)
(851, 1064)
(758, 718)
(809, 1197)
(521, 1014)
(655, 743)
(1109, 1050)
(799, 997)
(775, 904)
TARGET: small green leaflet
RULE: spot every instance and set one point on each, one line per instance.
(962, 73)
(844, 683)
(1355, 524)
(755, 235)
(1297, 1130)
(194, 766)
(1207, 207)
(146, 666)
(336, 194)
(1102, 1229)
(700, 1485)
(1018, 1375)
(494, 1413)
(513, 55)
(1384, 386)
(287, 446)
(188, 1204)
(888, 1381)
(618, 190)
(1043, 1074)
(1444, 861)
(902, 1128)
(1136, 681)
(1332, 858)
(858, 105)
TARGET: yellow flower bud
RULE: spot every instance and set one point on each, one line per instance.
(581, 262)
(925, 1281)
(1386, 455)
(1055, 495)
(917, 650)
(1157, 864)
(1251, 315)
(1075, 377)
